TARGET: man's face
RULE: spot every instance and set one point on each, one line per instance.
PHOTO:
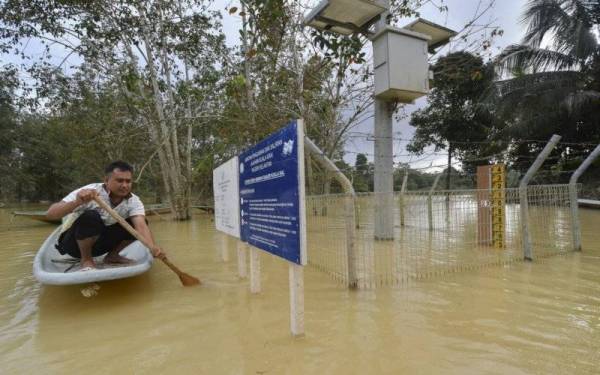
(119, 183)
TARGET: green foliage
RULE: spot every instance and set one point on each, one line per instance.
(84, 128)
(8, 127)
(106, 107)
(340, 49)
(363, 174)
(148, 80)
(454, 117)
(555, 86)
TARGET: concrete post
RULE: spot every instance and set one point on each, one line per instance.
(573, 197)
(384, 159)
(349, 208)
(384, 172)
(296, 282)
(255, 286)
(524, 204)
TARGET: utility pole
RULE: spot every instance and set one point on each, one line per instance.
(401, 75)
(384, 159)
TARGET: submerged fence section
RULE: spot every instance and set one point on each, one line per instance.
(434, 233)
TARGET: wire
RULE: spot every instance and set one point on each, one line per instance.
(371, 137)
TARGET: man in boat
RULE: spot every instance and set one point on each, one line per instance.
(89, 231)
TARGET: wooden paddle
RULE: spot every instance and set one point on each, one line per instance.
(186, 280)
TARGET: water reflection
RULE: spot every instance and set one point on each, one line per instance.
(541, 317)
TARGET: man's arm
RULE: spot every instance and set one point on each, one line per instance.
(139, 223)
(59, 209)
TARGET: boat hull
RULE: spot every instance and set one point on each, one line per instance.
(36, 215)
(49, 265)
(589, 203)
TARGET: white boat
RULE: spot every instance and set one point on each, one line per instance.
(151, 210)
(52, 268)
(588, 203)
(36, 215)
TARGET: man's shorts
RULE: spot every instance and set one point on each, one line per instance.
(90, 224)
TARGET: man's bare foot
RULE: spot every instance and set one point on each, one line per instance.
(117, 259)
(87, 264)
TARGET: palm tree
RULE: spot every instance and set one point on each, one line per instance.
(554, 72)
(556, 61)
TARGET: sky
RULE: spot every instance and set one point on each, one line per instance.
(505, 14)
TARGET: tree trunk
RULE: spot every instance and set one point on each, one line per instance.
(172, 154)
(188, 115)
(153, 131)
(247, 69)
(182, 199)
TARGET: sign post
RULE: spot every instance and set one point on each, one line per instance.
(227, 205)
(272, 209)
(254, 270)
(242, 250)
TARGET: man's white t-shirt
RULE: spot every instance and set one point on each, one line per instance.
(129, 206)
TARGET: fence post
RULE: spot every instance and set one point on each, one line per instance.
(429, 203)
(524, 205)
(350, 245)
(402, 191)
(573, 197)
(349, 207)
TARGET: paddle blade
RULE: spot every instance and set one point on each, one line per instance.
(188, 280)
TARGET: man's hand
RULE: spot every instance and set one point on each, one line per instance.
(157, 252)
(59, 209)
(86, 195)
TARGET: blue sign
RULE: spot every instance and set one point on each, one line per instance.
(272, 194)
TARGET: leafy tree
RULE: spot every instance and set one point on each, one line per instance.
(363, 174)
(153, 82)
(453, 119)
(84, 125)
(554, 82)
(273, 82)
(8, 125)
(159, 50)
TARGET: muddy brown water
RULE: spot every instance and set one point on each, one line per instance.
(524, 318)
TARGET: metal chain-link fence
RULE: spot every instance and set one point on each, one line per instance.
(434, 233)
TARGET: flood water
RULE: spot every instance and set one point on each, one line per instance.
(522, 318)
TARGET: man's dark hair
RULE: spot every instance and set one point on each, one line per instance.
(120, 165)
